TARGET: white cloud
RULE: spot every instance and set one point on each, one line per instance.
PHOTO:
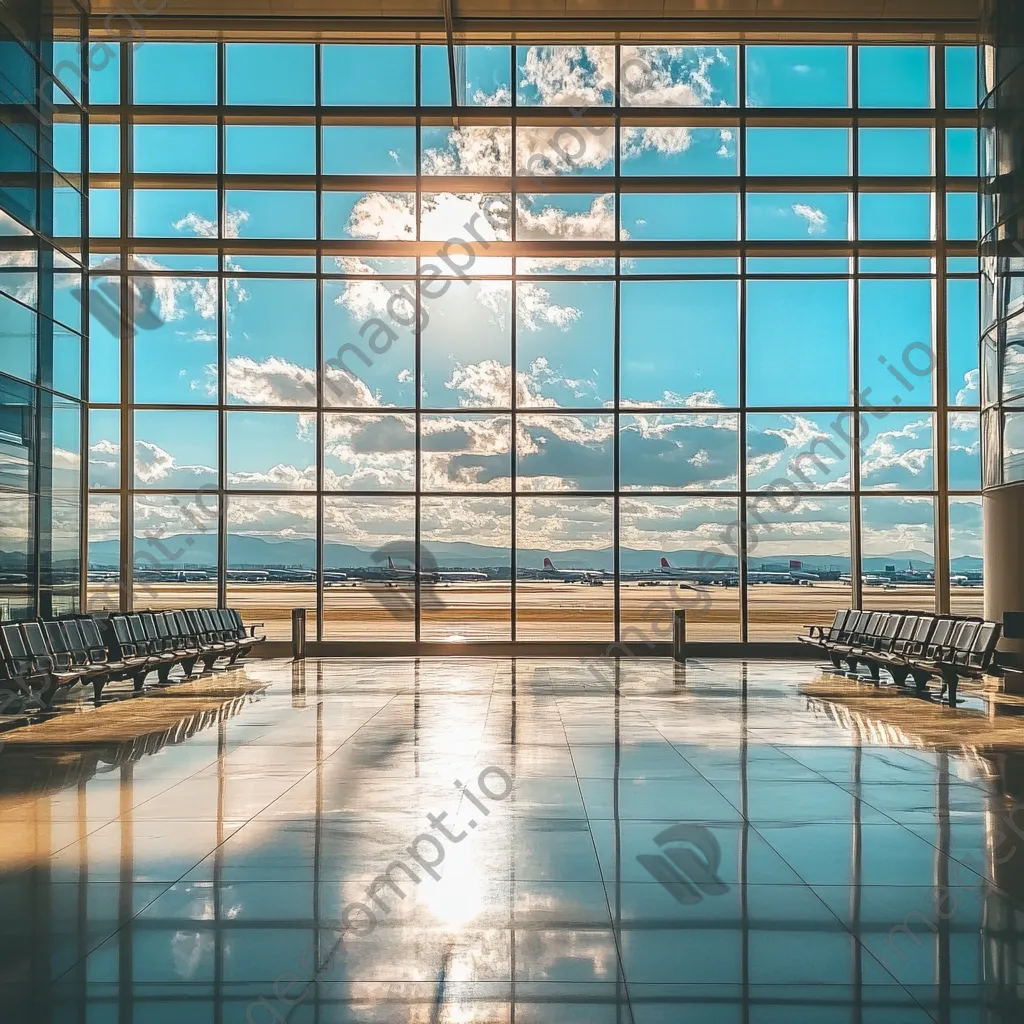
(553, 222)
(817, 220)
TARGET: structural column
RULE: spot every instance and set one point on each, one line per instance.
(1002, 344)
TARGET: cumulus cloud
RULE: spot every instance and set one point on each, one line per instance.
(817, 220)
(899, 456)
(204, 227)
(537, 222)
(671, 76)
(483, 150)
(156, 467)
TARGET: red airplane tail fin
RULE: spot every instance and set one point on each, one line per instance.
(665, 564)
(391, 564)
(547, 564)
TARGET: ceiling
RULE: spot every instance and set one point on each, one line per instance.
(504, 20)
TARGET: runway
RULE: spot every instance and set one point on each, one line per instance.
(544, 610)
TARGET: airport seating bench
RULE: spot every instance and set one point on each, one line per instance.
(40, 658)
(910, 645)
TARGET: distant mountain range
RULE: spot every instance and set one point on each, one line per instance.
(200, 550)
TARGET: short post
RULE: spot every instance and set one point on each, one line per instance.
(679, 634)
(298, 633)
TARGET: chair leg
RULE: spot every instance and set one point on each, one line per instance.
(836, 660)
(97, 689)
(208, 660)
(163, 672)
(47, 694)
(873, 668)
(852, 663)
(188, 665)
(139, 680)
(899, 674)
(921, 680)
(950, 680)
(234, 655)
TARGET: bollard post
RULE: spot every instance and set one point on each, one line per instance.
(679, 634)
(298, 633)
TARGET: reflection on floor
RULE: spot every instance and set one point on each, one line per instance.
(720, 843)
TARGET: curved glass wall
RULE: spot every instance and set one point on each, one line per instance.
(1002, 247)
(633, 329)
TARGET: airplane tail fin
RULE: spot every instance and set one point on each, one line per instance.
(391, 563)
(665, 564)
(547, 564)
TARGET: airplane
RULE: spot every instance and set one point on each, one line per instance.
(247, 576)
(868, 580)
(595, 577)
(669, 572)
(437, 575)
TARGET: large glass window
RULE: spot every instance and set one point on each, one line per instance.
(513, 374)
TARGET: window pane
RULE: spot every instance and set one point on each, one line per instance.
(570, 217)
(272, 451)
(896, 216)
(169, 213)
(565, 339)
(898, 545)
(271, 341)
(679, 149)
(105, 339)
(271, 74)
(363, 598)
(175, 340)
(369, 452)
(466, 453)
(272, 560)
(252, 214)
(962, 315)
(388, 70)
(369, 149)
(692, 452)
(175, 450)
(793, 540)
(549, 150)
(793, 451)
(962, 216)
(798, 151)
(962, 151)
(896, 151)
(270, 149)
(895, 76)
(564, 453)
(575, 536)
(798, 76)
(964, 451)
(467, 346)
(810, 321)
(369, 348)
(105, 448)
(179, 73)
(1013, 447)
(105, 149)
(480, 150)
(679, 76)
(898, 453)
(384, 216)
(962, 76)
(466, 547)
(679, 343)
(104, 553)
(697, 217)
(565, 76)
(793, 216)
(176, 148)
(175, 550)
(897, 349)
(697, 537)
(966, 557)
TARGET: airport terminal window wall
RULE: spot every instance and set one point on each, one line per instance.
(715, 305)
(42, 307)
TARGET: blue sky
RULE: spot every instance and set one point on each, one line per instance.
(679, 340)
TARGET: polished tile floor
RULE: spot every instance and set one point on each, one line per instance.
(510, 841)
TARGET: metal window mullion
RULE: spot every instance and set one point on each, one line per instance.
(319, 356)
(514, 360)
(616, 358)
(856, 516)
(941, 552)
(127, 531)
(83, 483)
(418, 356)
(222, 291)
(742, 540)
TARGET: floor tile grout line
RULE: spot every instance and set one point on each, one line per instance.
(211, 852)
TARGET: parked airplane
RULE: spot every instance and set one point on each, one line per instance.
(247, 576)
(592, 576)
(437, 575)
(868, 579)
